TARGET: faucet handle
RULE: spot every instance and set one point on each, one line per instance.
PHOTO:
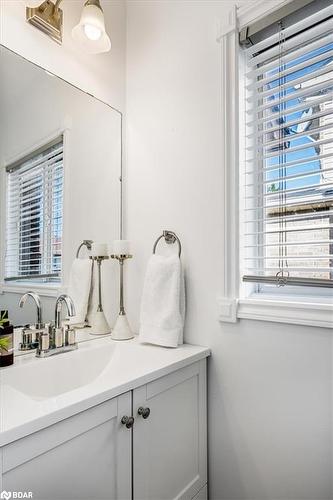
(29, 339)
(43, 338)
(69, 334)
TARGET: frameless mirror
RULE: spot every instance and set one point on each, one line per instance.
(60, 164)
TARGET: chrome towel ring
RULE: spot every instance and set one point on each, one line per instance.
(170, 238)
(85, 243)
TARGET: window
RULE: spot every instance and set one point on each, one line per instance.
(288, 177)
(34, 216)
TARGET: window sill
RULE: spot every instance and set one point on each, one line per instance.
(42, 290)
(291, 310)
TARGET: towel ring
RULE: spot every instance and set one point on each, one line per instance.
(170, 237)
(85, 243)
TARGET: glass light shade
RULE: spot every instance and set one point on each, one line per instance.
(90, 32)
(34, 3)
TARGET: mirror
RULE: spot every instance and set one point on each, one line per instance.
(75, 141)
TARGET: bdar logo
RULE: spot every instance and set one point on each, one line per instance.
(6, 495)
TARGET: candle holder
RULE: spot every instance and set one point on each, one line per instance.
(122, 329)
(99, 324)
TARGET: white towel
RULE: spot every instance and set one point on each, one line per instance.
(163, 302)
(79, 288)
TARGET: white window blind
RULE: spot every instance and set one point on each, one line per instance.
(34, 216)
(288, 175)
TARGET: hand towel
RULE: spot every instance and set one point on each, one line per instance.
(79, 288)
(163, 302)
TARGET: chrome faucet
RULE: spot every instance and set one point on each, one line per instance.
(59, 337)
(69, 305)
(36, 298)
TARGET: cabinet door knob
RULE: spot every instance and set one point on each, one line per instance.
(144, 412)
(128, 421)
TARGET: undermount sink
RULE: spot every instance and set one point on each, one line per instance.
(46, 378)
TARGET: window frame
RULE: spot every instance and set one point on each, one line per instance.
(240, 300)
(262, 290)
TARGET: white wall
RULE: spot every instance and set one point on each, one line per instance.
(103, 75)
(270, 385)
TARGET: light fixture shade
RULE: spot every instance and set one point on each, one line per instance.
(90, 32)
(34, 3)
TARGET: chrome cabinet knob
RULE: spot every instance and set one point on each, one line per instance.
(128, 421)
(144, 412)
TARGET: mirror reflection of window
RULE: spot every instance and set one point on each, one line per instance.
(35, 216)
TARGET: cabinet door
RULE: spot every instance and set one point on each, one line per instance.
(169, 446)
(84, 457)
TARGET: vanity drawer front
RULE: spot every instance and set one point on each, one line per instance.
(83, 457)
(169, 444)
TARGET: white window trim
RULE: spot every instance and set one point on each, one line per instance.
(44, 290)
(291, 309)
(298, 310)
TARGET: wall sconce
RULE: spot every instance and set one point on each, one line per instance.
(47, 17)
(89, 33)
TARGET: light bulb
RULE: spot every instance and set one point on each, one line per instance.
(92, 32)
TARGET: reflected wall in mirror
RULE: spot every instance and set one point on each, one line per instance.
(60, 161)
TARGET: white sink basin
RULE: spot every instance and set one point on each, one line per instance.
(36, 393)
(60, 374)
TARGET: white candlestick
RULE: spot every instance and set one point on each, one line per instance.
(121, 247)
(99, 250)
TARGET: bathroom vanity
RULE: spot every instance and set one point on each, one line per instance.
(108, 421)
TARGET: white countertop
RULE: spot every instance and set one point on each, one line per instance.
(36, 393)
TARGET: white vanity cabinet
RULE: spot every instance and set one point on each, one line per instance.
(92, 455)
(84, 457)
(169, 445)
